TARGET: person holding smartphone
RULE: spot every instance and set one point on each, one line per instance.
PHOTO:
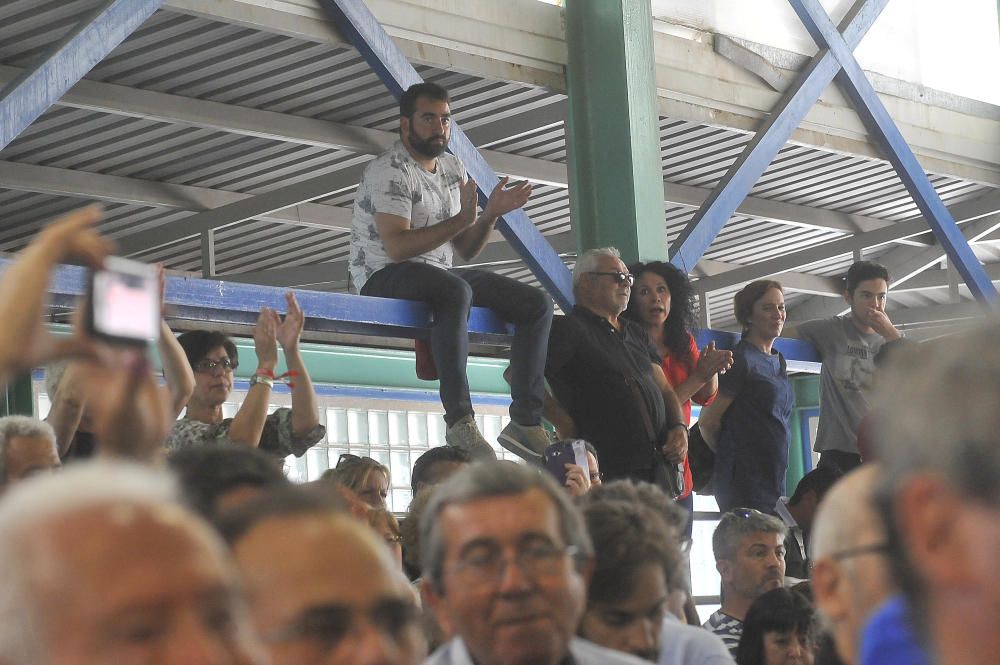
(214, 358)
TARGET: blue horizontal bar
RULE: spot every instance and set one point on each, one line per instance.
(208, 300)
(229, 302)
(800, 356)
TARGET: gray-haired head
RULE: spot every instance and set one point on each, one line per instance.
(487, 480)
(26, 426)
(588, 260)
(28, 507)
(736, 525)
(937, 414)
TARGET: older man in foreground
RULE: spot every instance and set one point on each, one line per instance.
(507, 559)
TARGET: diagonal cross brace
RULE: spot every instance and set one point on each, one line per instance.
(67, 61)
(697, 236)
(361, 27)
(879, 124)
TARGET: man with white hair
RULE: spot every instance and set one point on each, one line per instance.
(939, 441)
(851, 577)
(608, 381)
(101, 565)
(27, 447)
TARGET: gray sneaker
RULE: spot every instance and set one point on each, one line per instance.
(526, 441)
(465, 435)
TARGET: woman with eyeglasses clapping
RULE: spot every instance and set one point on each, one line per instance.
(214, 358)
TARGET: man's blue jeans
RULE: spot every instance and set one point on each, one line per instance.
(450, 295)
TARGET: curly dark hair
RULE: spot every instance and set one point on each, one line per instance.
(680, 320)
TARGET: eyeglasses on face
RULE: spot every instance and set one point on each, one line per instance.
(208, 366)
(326, 626)
(485, 564)
(619, 276)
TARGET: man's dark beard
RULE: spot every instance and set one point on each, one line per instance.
(426, 148)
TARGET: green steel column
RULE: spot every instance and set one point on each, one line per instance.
(615, 172)
(19, 400)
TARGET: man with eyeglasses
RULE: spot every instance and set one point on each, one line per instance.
(608, 382)
(415, 208)
(851, 574)
(321, 587)
(749, 549)
(506, 560)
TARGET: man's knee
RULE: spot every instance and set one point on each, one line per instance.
(452, 292)
(539, 304)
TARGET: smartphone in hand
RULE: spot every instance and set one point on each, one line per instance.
(123, 302)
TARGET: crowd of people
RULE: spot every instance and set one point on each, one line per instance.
(172, 540)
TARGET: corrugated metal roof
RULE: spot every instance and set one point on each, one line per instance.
(192, 57)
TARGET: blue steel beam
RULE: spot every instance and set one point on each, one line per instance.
(715, 211)
(67, 61)
(361, 27)
(211, 301)
(880, 126)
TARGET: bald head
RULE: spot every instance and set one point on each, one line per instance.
(851, 574)
(847, 513)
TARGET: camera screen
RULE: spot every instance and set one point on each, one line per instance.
(126, 305)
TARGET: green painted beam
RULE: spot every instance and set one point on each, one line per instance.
(615, 169)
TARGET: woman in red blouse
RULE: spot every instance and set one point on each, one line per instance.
(662, 301)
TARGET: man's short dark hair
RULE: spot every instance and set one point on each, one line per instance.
(425, 468)
(628, 536)
(408, 101)
(818, 481)
(208, 472)
(197, 344)
(862, 271)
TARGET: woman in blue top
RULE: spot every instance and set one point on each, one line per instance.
(748, 423)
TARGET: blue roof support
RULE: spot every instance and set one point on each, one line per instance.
(880, 126)
(834, 60)
(697, 236)
(67, 61)
(360, 26)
